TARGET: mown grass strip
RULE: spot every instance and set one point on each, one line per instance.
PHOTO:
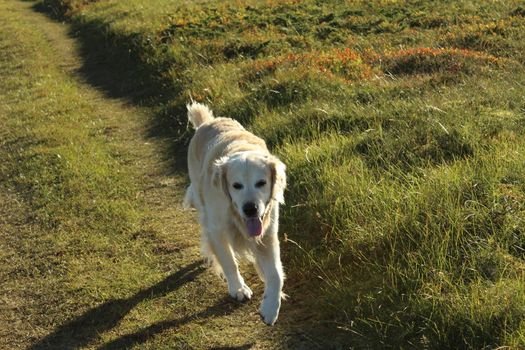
(79, 242)
(56, 155)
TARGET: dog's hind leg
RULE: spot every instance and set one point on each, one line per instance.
(189, 201)
(223, 253)
(210, 257)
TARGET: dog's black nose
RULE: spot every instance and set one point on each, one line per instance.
(250, 209)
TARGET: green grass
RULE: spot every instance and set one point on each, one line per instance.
(401, 124)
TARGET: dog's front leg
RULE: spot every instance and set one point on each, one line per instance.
(269, 262)
(223, 252)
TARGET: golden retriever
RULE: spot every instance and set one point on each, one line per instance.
(237, 186)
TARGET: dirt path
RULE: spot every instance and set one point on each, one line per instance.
(186, 306)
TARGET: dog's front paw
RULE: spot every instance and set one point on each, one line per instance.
(241, 294)
(269, 310)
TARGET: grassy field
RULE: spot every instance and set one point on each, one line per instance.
(401, 124)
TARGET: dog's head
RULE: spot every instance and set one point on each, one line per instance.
(251, 181)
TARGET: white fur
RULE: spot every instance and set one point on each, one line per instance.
(229, 167)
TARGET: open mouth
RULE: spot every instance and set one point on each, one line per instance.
(254, 226)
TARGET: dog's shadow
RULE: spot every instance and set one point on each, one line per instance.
(87, 328)
(223, 307)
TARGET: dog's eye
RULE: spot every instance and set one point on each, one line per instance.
(237, 186)
(260, 184)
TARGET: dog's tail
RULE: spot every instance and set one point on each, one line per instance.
(199, 114)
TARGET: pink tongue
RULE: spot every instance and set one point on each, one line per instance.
(254, 226)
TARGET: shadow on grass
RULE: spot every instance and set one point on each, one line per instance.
(242, 347)
(110, 64)
(224, 307)
(87, 327)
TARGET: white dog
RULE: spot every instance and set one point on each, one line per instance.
(237, 186)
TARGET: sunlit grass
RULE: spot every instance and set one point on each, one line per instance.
(402, 128)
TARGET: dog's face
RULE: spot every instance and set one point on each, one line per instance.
(251, 181)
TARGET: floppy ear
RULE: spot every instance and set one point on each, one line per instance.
(218, 177)
(278, 171)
